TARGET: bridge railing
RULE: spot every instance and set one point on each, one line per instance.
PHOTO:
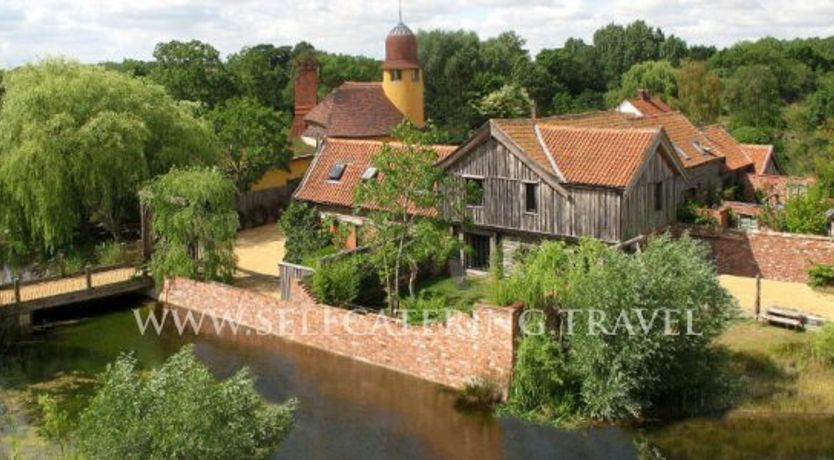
(91, 277)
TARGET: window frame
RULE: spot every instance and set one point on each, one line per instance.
(396, 74)
(480, 181)
(658, 196)
(536, 197)
(415, 75)
(331, 177)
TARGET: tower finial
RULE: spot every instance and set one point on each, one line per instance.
(401, 10)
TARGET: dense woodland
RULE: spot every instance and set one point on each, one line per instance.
(219, 111)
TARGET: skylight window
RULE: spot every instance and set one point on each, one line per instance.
(369, 173)
(681, 153)
(703, 150)
(336, 171)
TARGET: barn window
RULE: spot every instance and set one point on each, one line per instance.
(658, 196)
(396, 75)
(336, 171)
(474, 191)
(531, 197)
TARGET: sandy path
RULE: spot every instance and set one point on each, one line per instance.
(799, 296)
(260, 249)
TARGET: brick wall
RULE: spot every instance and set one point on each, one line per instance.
(777, 256)
(449, 354)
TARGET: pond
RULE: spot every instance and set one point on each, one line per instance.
(351, 410)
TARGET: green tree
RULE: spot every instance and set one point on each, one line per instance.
(510, 101)
(699, 92)
(192, 71)
(302, 227)
(619, 48)
(253, 139)
(76, 142)
(195, 224)
(263, 72)
(659, 78)
(805, 213)
(180, 411)
(400, 203)
(335, 69)
(752, 96)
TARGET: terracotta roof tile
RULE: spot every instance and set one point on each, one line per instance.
(653, 106)
(597, 156)
(694, 148)
(355, 110)
(760, 154)
(357, 155)
(729, 148)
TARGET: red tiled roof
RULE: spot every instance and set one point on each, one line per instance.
(595, 156)
(696, 147)
(652, 106)
(761, 155)
(357, 155)
(354, 110)
(730, 149)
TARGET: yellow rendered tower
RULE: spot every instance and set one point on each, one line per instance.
(402, 76)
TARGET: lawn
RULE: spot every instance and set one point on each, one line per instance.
(778, 372)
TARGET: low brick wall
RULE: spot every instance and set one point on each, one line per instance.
(449, 354)
(776, 256)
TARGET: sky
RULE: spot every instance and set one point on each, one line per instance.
(101, 30)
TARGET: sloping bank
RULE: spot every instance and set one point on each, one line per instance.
(452, 353)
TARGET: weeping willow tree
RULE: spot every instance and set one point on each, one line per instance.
(194, 222)
(76, 142)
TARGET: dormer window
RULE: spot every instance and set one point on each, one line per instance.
(369, 173)
(396, 75)
(336, 172)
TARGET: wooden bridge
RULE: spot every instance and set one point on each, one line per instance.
(24, 297)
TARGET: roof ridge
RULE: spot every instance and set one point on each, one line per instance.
(647, 130)
(347, 140)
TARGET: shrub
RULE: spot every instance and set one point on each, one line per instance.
(823, 344)
(304, 232)
(543, 383)
(179, 411)
(424, 309)
(821, 275)
(109, 253)
(805, 213)
(337, 282)
(692, 212)
(479, 393)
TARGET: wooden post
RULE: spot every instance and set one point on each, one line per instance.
(89, 275)
(758, 305)
(16, 289)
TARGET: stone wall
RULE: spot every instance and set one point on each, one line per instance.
(776, 256)
(449, 354)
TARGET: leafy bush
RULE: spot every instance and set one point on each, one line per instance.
(479, 393)
(179, 411)
(805, 213)
(110, 253)
(608, 366)
(692, 212)
(304, 232)
(823, 344)
(821, 275)
(337, 282)
(423, 308)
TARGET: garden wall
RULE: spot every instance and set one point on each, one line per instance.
(776, 256)
(449, 354)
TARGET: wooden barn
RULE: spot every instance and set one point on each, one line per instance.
(540, 180)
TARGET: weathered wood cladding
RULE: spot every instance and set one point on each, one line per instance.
(586, 212)
(504, 176)
(640, 212)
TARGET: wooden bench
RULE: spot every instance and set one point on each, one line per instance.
(792, 318)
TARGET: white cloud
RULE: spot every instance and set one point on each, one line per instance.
(96, 30)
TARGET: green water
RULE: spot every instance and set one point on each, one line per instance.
(354, 410)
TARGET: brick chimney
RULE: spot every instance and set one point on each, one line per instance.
(306, 82)
(643, 95)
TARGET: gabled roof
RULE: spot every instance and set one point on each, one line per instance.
(694, 147)
(598, 156)
(735, 155)
(761, 155)
(650, 106)
(357, 155)
(354, 110)
(571, 153)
